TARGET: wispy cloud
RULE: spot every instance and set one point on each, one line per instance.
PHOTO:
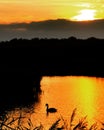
(82, 4)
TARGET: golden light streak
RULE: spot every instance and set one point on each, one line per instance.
(87, 90)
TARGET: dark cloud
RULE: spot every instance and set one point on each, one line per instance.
(52, 29)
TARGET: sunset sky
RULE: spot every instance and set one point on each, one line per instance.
(12, 11)
(51, 18)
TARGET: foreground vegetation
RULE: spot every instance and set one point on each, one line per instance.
(23, 63)
(11, 123)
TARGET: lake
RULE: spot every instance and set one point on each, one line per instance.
(65, 93)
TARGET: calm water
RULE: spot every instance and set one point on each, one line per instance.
(67, 93)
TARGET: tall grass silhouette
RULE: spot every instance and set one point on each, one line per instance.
(11, 123)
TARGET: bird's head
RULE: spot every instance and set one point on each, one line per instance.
(46, 104)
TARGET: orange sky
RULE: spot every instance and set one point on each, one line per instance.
(12, 11)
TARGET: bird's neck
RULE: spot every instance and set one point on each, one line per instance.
(47, 107)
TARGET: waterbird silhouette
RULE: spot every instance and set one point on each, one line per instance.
(51, 110)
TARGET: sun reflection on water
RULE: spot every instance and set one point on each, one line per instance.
(87, 91)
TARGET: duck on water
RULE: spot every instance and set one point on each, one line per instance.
(51, 110)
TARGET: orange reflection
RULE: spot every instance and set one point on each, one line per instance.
(73, 92)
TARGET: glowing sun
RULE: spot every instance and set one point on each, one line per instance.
(85, 15)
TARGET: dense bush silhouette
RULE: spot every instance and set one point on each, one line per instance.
(23, 62)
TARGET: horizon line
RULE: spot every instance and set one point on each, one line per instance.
(45, 38)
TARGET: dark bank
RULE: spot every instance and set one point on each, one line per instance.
(23, 62)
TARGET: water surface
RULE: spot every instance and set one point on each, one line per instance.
(67, 93)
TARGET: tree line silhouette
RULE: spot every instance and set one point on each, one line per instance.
(56, 56)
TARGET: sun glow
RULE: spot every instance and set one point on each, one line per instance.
(17, 11)
(85, 15)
